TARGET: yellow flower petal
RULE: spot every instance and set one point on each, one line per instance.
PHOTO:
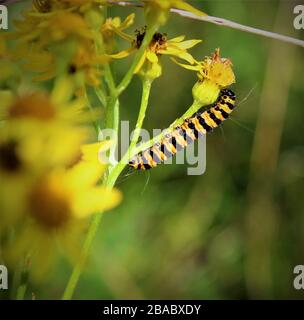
(186, 44)
(128, 21)
(141, 62)
(91, 151)
(180, 54)
(96, 200)
(180, 4)
(122, 54)
(63, 90)
(152, 57)
(85, 174)
(186, 66)
(177, 39)
(122, 34)
(45, 76)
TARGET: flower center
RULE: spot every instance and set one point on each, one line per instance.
(49, 206)
(158, 42)
(72, 68)
(43, 6)
(9, 159)
(160, 39)
(36, 105)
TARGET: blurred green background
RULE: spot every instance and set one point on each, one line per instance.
(237, 231)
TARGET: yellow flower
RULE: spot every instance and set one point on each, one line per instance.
(58, 208)
(45, 42)
(159, 46)
(45, 6)
(26, 152)
(54, 185)
(91, 153)
(157, 11)
(14, 177)
(216, 69)
(57, 107)
(9, 75)
(214, 74)
(114, 26)
(39, 132)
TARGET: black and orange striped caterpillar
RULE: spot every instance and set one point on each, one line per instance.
(199, 124)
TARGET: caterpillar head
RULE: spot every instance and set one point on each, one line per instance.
(227, 93)
(135, 162)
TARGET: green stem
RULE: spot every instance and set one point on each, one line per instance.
(101, 96)
(146, 89)
(189, 113)
(74, 278)
(114, 174)
(90, 107)
(21, 292)
(112, 115)
(129, 75)
(135, 150)
(108, 75)
(23, 276)
(112, 121)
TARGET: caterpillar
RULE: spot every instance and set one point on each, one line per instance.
(199, 124)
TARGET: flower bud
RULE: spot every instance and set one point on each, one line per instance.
(151, 71)
(205, 92)
(94, 18)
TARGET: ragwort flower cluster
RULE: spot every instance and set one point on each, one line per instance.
(50, 177)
